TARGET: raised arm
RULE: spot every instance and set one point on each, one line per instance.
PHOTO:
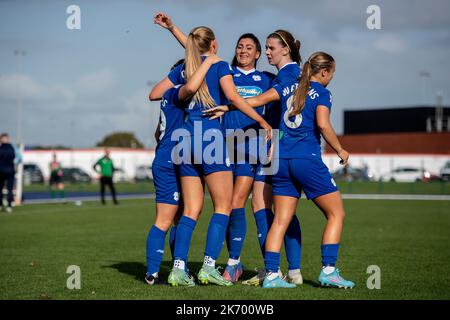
(159, 89)
(327, 131)
(164, 21)
(228, 87)
(196, 80)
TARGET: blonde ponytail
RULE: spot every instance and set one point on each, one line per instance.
(316, 62)
(300, 93)
(198, 42)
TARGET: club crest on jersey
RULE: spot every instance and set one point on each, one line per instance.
(256, 77)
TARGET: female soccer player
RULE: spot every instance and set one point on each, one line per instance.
(165, 172)
(283, 52)
(216, 173)
(305, 118)
(249, 82)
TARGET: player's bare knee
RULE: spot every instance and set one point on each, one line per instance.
(223, 209)
(238, 201)
(163, 224)
(281, 222)
(257, 204)
(192, 213)
(337, 215)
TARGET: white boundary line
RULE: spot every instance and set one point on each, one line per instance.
(344, 196)
(396, 197)
(88, 199)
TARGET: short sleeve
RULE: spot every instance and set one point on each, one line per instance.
(224, 69)
(279, 88)
(172, 94)
(325, 99)
(177, 75)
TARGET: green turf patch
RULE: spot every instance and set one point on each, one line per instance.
(356, 187)
(122, 187)
(408, 240)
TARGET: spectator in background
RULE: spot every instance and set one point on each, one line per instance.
(56, 173)
(7, 170)
(106, 176)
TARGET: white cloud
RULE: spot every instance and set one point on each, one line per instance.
(96, 82)
(89, 90)
(81, 113)
(390, 43)
(13, 85)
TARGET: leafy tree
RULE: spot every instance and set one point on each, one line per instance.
(120, 140)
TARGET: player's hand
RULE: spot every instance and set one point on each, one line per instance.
(213, 58)
(268, 130)
(343, 154)
(163, 20)
(216, 112)
(270, 153)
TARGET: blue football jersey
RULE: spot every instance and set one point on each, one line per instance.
(289, 73)
(300, 135)
(170, 118)
(194, 111)
(248, 84)
(177, 75)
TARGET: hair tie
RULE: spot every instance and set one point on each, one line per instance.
(285, 42)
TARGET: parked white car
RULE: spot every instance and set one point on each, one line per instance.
(406, 174)
(445, 171)
(143, 173)
(120, 175)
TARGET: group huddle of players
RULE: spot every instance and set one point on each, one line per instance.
(206, 96)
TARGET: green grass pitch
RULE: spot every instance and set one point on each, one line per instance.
(408, 240)
(364, 187)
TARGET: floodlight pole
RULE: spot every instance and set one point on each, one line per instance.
(19, 189)
(424, 75)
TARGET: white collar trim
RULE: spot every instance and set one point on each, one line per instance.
(246, 72)
(287, 65)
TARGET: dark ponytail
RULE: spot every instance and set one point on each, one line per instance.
(316, 62)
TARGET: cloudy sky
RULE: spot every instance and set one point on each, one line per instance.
(79, 85)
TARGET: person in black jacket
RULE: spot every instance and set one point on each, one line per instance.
(7, 170)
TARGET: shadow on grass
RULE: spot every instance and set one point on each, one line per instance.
(135, 269)
(311, 283)
(138, 270)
